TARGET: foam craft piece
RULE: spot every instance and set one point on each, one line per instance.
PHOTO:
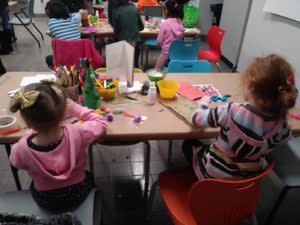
(90, 95)
(189, 91)
(120, 60)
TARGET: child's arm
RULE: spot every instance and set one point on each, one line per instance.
(15, 157)
(93, 126)
(210, 117)
(161, 34)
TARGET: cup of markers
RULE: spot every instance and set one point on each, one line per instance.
(107, 88)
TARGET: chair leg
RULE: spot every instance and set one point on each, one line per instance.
(147, 148)
(91, 160)
(142, 56)
(38, 30)
(170, 152)
(147, 52)
(13, 169)
(253, 220)
(275, 208)
(32, 35)
(150, 202)
(219, 67)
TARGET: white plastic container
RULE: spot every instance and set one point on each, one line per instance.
(152, 94)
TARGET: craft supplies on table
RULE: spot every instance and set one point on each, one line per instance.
(123, 89)
(107, 88)
(151, 97)
(155, 75)
(36, 79)
(223, 98)
(189, 91)
(168, 88)
(8, 125)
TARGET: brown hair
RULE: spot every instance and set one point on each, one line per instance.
(48, 109)
(267, 79)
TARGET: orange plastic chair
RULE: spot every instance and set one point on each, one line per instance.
(214, 38)
(210, 201)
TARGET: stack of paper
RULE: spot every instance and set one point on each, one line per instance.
(36, 79)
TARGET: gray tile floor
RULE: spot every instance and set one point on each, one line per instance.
(121, 181)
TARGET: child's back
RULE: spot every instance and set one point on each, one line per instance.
(126, 23)
(249, 131)
(54, 154)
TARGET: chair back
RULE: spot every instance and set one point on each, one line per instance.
(214, 38)
(215, 202)
(189, 66)
(68, 52)
(184, 49)
(153, 11)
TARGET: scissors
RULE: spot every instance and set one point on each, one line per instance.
(216, 98)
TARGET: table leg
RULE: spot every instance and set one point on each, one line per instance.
(13, 169)
(91, 160)
(147, 148)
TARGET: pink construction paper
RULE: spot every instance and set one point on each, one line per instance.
(187, 90)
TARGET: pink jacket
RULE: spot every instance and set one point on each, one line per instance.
(170, 30)
(68, 52)
(64, 165)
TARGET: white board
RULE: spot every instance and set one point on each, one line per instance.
(286, 8)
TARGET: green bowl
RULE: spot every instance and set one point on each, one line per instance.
(155, 75)
(93, 19)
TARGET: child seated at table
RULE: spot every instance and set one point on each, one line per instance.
(250, 130)
(127, 25)
(170, 30)
(61, 24)
(53, 153)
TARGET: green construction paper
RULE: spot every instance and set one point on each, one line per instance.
(90, 94)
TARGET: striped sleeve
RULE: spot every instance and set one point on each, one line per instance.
(211, 117)
(76, 17)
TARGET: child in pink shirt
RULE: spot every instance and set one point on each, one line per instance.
(170, 30)
(54, 155)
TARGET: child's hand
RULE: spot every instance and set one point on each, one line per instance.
(205, 100)
(70, 105)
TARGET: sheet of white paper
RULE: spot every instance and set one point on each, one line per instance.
(286, 8)
(119, 60)
(36, 79)
(123, 89)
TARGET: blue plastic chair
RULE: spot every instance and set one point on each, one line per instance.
(189, 66)
(184, 49)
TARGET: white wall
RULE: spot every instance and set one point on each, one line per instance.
(233, 20)
(267, 33)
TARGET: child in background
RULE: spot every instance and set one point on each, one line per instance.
(250, 130)
(61, 24)
(53, 154)
(170, 30)
(127, 25)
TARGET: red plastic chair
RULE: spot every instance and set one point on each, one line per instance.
(68, 52)
(210, 201)
(214, 38)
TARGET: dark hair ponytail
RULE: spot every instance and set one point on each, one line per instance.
(175, 9)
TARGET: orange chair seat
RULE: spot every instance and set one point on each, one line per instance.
(174, 187)
(209, 55)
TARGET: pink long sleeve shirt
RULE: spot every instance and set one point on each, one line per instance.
(65, 165)
(169, 31)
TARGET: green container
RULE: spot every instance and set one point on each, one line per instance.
(191, 15)
(155, 75)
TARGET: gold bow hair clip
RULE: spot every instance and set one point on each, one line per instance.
(25, 98)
